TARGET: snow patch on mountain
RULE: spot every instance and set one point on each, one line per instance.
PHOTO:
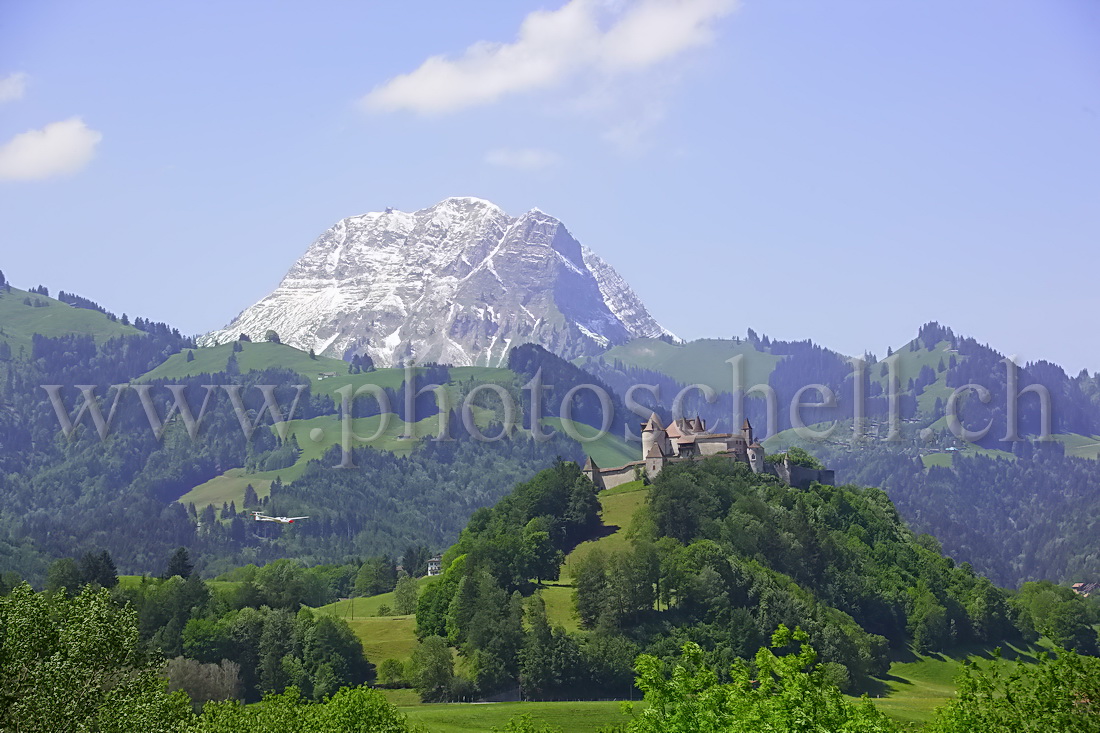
(459, 282)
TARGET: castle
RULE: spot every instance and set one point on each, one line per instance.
(687, 438)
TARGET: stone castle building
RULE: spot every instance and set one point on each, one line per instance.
(687, 438)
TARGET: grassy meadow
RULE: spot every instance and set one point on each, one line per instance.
(19, 322)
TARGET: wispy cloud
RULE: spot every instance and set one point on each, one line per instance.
(12, 87)
(583, 37)
(528, 159)
(58, 149)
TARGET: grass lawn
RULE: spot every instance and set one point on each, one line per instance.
(619, 505)
(383, 637)
(386, 637)
(914, 689)
(572, 717)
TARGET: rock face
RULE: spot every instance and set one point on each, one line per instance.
(457, 283)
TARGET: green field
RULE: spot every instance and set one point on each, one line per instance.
(264, 355)
(315, 437)
(619, 505)
(253, 356)
(696, 362)
(608, 451)
(1080, 446)
(19, 322)
(572, 717)
(383, 637)
(945, 458)
(913, 690)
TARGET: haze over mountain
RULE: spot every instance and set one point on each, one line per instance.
(459, 282)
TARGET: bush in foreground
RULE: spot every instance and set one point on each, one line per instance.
(791, 694)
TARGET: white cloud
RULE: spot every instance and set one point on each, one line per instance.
(12, 87)
(581, 38)
(527, 159)
(58, 149)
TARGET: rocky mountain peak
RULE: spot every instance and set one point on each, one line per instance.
(458, 282)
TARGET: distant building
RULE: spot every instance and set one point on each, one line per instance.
(688, 438)
(1085, 589)
(435, 564)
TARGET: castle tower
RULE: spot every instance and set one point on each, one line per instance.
(653, 433)
(654, 460)
(592, 471)
(756, 455)
(746, 431)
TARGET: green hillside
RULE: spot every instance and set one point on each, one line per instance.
(253, 356)
(320, 370)
(617, 509)
(608, 451)
(19, 322)
(696, 362)
(1080, 446)
(383, 637)
(910, 692)
(315, 437)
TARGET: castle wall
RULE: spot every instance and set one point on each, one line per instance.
(612, 477)
(801, 477)
(711, 447)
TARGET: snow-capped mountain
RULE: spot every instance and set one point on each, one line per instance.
(459, 282)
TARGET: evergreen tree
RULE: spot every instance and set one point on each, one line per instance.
(179, 564)
(312, 354)
(250, 497)
(272, 337)
(376, 575)
(415, 560)
(98, 567)
(190, 356)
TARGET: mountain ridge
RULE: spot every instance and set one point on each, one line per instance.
(458, 282)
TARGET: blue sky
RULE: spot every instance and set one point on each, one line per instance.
(842, 171)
